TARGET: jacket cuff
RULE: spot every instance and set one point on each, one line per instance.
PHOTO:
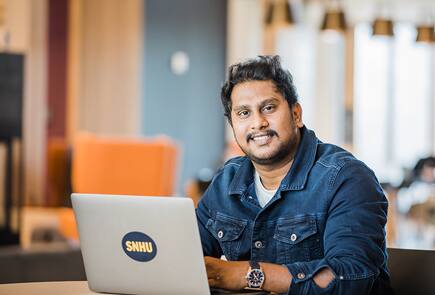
(303, 273)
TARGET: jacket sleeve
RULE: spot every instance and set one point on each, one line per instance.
(354, 238)
(210, 246)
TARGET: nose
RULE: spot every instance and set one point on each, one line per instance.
(259, 121)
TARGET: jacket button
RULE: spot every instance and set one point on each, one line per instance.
(220, 234)
(293, 237)
(301, 276)
(258, 244)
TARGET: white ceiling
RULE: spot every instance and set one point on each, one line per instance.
(414, 11)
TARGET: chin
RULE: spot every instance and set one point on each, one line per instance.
(271, 156)
(263, 159)
(264, 155)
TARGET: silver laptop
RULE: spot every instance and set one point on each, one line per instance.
(140, 245)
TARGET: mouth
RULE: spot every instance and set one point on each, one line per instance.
(261, 138)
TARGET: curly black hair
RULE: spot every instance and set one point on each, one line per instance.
(261, 68)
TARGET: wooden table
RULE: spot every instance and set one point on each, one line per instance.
(46, 288)
(71, 288)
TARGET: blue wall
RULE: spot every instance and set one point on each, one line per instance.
(186, 107)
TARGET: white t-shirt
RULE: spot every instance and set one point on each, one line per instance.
(264, 195)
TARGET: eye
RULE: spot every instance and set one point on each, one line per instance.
(268, 108)
(242, 114)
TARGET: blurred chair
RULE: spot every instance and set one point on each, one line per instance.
(109, 165)
(67, 224)
(412, 271)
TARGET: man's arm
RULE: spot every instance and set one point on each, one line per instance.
(230, 275)
(354, 236)
(210, 246)
(354, 241)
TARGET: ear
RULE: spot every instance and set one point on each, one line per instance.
(297, 115)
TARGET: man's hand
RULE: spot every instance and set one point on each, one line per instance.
(324, 277)
(229, 275)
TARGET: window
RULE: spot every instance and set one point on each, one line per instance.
(392, 109)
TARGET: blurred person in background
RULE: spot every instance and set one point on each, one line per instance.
(419, 190)
(294, 215)
(416, 205)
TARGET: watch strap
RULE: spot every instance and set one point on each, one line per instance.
(254, 264)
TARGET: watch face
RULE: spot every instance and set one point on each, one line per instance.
(255, 278)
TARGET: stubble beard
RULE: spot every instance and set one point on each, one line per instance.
(285, 150)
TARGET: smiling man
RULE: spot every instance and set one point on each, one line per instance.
(295, 215)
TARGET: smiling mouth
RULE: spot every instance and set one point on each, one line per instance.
(262, 139)
(261, 136)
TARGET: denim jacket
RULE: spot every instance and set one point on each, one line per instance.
(329, 211)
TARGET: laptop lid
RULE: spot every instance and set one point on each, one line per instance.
(412, 271)
(140, 245)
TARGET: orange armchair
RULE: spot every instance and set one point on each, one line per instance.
(109, 165)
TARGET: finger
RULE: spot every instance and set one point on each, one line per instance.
(209, 259)
(212, 282)
(211, 271)
(212, 274)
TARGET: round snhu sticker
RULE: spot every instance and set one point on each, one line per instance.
(139, 246)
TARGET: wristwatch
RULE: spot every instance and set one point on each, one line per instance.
(255, 276)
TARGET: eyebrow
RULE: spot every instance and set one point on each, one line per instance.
(239, 108)
(262, 104)
(269, 100)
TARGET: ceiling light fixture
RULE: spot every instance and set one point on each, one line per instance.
(334, 18)
(425, 33)
(383, 27)
(279, 12)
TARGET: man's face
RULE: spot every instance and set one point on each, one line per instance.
(264, 126)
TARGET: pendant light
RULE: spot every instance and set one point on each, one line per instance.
(334, 18)
(425, 33)
(279, 12)
(383, 27)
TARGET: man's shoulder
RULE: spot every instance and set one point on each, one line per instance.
(335, 157)
(230, 167)
(235, 162)
(224, 177)
(343, 167)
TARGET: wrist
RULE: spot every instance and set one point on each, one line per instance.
(277, 278)
(243, 271)
(255, 276)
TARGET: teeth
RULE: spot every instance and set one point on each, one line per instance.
(262, 137)
(261, 140)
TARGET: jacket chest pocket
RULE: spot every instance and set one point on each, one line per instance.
(227, 230)
(297, 239)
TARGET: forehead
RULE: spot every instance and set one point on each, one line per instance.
(254, 92)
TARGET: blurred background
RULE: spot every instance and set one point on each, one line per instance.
(123, 97)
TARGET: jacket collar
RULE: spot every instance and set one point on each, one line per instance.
(297, 176)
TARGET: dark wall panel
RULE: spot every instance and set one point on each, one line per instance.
(57, 67)
(186, 107)
(11, 95)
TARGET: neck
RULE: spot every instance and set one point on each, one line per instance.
(272, 175)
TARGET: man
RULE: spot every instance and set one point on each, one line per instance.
(295, 215)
